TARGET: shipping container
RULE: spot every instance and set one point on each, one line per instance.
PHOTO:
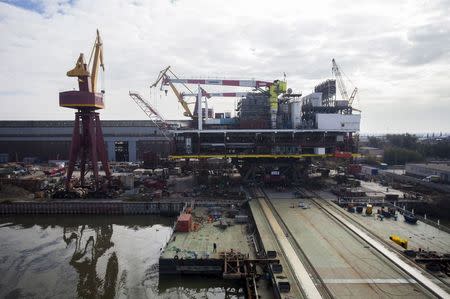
(319, 150)
(219, 121)
(369, 170)
(184, 223)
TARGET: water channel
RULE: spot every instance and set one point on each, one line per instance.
(93, 257)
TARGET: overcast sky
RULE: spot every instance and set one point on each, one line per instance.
(396, 52)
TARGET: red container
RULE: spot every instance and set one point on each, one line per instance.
(345, 155)
(184, 223)
(354, 169)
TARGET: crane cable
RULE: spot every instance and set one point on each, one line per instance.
(181, 83)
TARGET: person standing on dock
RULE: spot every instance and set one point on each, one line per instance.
(214, 247)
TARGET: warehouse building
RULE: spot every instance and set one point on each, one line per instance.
(371, 151)
(126, 140)
(424, 170)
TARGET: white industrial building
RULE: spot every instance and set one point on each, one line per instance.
(423, 170)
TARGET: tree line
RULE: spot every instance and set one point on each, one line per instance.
(406, 148)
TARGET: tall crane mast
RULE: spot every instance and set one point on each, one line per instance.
(341, 85)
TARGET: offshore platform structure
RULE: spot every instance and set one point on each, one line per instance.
(275, 132)
(87, 139)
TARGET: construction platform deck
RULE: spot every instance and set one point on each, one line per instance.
(420, 235)
(199, 244)
(193, 252)
(374, 189)
(347, 264)
(269, 243)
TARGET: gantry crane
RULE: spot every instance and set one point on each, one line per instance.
(216, 94)
(341, 85)
(274, 89)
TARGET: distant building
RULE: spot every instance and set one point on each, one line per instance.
(423, 170)
(4, 158)
(371, 151)
(126, 140)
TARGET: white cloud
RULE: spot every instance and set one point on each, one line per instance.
(396, 52)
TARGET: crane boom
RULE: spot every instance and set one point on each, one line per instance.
(88, 80)
(167, 81)
(161, 75)
(337, 72)
(274, 90)
(352, 97)
(216, 94)
(97, 53)
(187, 111)
(151, 112)
(240, 83)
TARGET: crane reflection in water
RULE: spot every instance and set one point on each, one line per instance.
(92, 245)
(101, 257)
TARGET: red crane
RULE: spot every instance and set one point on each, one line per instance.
(87, 140)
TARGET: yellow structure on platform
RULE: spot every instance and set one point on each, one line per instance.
(399, 241)
(278, 87)
(254, 156)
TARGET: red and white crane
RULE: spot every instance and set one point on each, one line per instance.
(216, 94)
(239, 83)
(167, 80)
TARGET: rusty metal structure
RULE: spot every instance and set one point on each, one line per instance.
(87, 144)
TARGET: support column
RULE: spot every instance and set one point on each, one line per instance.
(199, 109)
(132, 150)
(111, 150)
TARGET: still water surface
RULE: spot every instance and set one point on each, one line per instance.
(93, 257)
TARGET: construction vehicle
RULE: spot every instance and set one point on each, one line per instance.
(369, 210)
(410, 218)
(400, 241)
